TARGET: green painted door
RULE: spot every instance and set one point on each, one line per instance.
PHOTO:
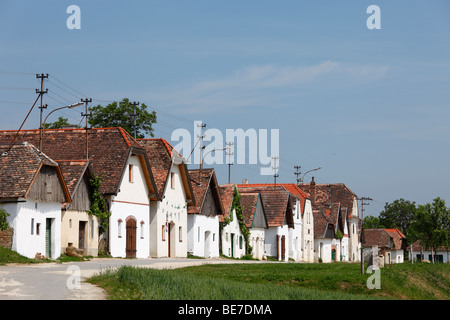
(48, 238)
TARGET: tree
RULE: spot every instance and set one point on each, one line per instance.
(121, 115)
(3, 220)
(371, 222)
(431, 225)
(58, 124)
(398, 214)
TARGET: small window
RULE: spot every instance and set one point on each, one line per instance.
(172, 180)
(198, 240)
(32, 226)
(38, 228)
(163, 233)
(92, 228)
(240, 242)
(180, 233)
(119, 228)
(130, 173)
(142, 229)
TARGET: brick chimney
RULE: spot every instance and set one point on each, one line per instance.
(312, 190)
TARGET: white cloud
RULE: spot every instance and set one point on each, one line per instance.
(263, 85)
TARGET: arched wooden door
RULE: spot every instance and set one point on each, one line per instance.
(131, 238)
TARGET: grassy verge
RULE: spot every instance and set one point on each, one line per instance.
(277, 281)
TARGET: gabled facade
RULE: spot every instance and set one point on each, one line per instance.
(278, 206)
(256, 220)
(323, 196)
(32, 190)
(78, 228)
(128, 185)
(232, 240)
(168, 216)
(329, 243)
(390, 242)
(203, 216)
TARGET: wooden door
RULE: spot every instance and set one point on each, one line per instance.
(48, 237)
(131, 238)
(81, 234)
(169, 239)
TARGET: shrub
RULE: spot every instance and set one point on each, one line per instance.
(3, 220)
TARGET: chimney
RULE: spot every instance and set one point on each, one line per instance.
(312, 190)
(244, 181)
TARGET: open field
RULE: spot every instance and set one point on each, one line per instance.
(276, 281)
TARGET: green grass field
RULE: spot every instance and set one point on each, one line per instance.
(276, 281)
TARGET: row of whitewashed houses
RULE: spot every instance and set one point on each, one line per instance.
(158, 207)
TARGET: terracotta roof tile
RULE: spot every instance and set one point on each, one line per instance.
(249, 202)
(226, 194)
(18, 168)
(201, 181)
(109, 149)
(277, 202)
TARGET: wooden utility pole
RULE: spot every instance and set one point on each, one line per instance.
(42, 107)
(201, 126)
(275, 168)
(134, 115)
(297, 173)
(86, 114)
(229, 154)
(362, 229)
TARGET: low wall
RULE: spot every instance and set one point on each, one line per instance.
(6, 238)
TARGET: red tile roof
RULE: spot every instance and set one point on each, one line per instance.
(384, 238)
(326, 194)
(202, 181)
(226, 194)
(109, 149)
(160, 154)
(277, 202)
(249, 201)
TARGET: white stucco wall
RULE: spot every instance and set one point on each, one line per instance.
(232, 230)
(308, 233)
(295, 235)
(131, 201)
(257, 241)
(203, 235)
(271, 246)
(171, 213)
(28, 219)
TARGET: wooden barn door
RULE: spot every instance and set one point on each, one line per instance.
(131, 238)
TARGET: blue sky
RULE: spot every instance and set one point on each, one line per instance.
(371, 107)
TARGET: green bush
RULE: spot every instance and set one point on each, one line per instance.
(3, 220)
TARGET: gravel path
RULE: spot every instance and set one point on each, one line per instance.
(64, 281)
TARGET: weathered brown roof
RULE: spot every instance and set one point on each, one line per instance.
(278, 203)
(108, 149)
(226, 194)
(73, 171)
(376, 237)
(19, 167)
(326, 194)
(161, 154)
(201, 181)
(249, 201)
(322, 223)
(384, 238)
